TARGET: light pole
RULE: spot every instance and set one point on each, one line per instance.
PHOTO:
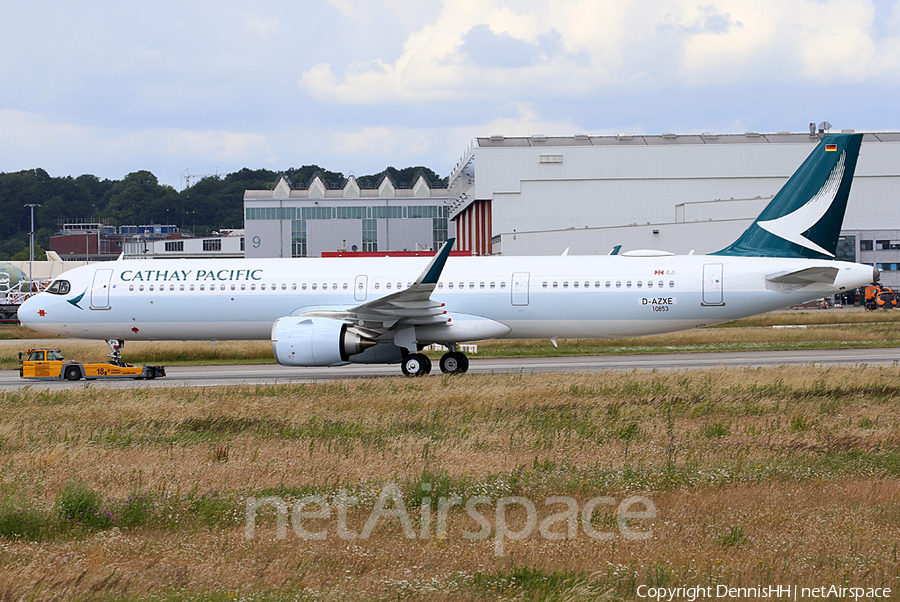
(31, 247)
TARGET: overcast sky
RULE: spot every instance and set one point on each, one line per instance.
(112, 87)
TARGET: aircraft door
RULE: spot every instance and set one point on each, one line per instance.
(520, 288)
(712, 284)
(100, 289)
(359, 288)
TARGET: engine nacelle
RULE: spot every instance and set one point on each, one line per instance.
(300, 341)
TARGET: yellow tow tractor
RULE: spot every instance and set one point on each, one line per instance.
(44, 363)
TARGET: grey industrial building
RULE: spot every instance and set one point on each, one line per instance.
(541, 195)
(305, 222)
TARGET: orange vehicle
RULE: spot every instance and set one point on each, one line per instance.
(49, 364)
(880, 297)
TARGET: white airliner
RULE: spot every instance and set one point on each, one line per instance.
(329, 312)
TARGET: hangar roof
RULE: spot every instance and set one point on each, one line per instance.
(539, 140)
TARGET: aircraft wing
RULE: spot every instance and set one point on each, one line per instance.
(409, 307)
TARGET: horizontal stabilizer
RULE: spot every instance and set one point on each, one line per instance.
(790, 281)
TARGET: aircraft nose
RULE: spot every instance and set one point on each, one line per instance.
(30, 311)
(876, 274)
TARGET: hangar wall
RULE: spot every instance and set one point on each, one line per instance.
(539, 189)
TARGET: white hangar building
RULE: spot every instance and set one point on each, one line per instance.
(539, 195)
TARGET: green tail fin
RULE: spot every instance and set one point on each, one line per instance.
(804, 219)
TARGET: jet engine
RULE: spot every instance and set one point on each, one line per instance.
(301, 341)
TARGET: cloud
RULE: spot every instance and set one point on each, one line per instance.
(581, 48)
(29, 140)
(262, 27)
(482, 46)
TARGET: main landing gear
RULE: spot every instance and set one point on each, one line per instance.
(418, 364)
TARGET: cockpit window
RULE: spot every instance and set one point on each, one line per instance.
(59, 287)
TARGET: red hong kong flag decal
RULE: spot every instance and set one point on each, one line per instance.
(135, 330)
(42, 313)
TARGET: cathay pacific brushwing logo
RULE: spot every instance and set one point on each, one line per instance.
(76, 300)
(792, 226)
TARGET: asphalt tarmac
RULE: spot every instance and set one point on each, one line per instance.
(202, 376)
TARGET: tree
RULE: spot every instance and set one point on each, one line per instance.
(24, 255)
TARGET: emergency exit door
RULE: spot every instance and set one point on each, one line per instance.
(520, 288)
(713, 293)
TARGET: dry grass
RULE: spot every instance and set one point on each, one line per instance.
(826, 330)
(760, 476)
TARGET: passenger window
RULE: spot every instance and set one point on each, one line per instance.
(671, 283)
(493, 285)
(649, 284)
(303, 286)
(618, 284)
(575, 284)
(400, 285)
(449, 285)
(284, 286)
(253, 287)
(388, 286)
(471, 285)
(608, 283)
(566, 284)
(232, 286)
(544, 284)
(346, 286)
(628, 284)
(440, 285)
(640, 284)
(171, 287)
(588, 284)
(555, 284)
(315, 286)
(661, 284)
(243, 287)
(293, 286)
(481, 285)
(503, 284)
(151, 287)
(181, 288)
(141, 287)
(131, 287)
(262, 287)
(377, 285)
(192, 287)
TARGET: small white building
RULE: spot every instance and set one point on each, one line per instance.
(225, 246)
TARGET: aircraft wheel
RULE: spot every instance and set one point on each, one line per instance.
(454, 363)
(72, 373)
(416, 364)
